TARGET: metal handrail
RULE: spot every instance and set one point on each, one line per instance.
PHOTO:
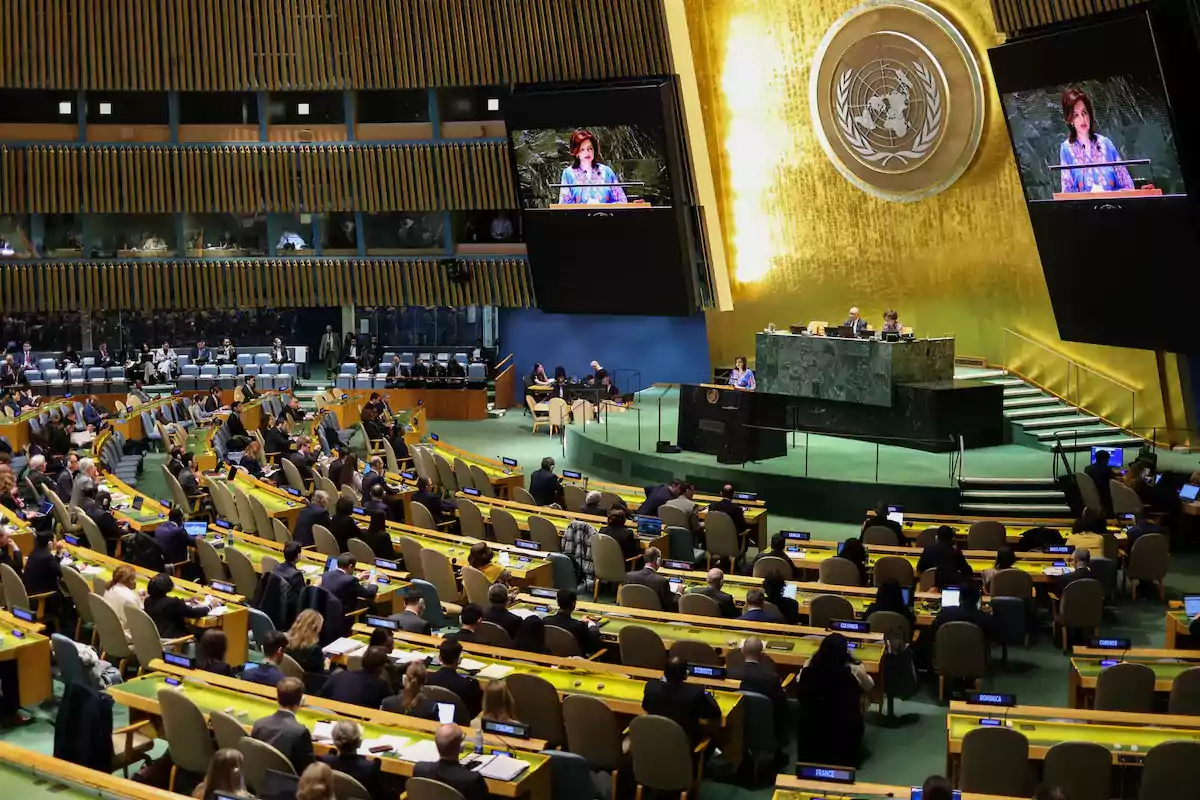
(1070, 362)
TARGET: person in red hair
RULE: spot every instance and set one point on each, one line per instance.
(587, 180)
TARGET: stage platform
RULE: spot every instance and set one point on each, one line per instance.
(820, 477)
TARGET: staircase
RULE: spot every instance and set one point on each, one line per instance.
(1038, 420)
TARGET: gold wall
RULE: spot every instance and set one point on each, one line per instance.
(804, 244)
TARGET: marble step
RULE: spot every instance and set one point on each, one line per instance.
(1032, 402)
(1059, 422)
(1040, 412)
(1081, 432)
(1012, 494)
(1021, 391)
(1007, 481)
(1117, 440)
(1026, 509)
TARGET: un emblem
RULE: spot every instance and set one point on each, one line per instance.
(897, 99)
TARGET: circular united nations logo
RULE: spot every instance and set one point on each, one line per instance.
(897, 99)
(712, 395)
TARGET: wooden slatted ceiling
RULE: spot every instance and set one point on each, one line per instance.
(227, 45)
(1014, 16)
(253, 179)
(97, 285)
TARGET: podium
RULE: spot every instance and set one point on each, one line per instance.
(731, 424)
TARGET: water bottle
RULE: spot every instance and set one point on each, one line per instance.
(479, 740)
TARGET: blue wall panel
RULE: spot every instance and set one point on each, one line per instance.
(663, 349)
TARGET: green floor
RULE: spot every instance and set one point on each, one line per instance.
(1037, 675)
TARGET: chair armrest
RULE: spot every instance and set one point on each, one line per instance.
(170, 643)
(787, 681)
(702, 746)
(596, 655)
(357, 612)
(131, 728)
(42, 595)
(632, 560)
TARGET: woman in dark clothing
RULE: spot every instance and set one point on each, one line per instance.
(626, 537)
(170, 614)
(830, 723)
(410, 701)
(773, 587)
(854, 551)
(531, 636)
(889, 597)
(377, 537)
(210, 653)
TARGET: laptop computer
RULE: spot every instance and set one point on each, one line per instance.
(950, 597)
(1191, 604)
(649, 526)
(1187, 493)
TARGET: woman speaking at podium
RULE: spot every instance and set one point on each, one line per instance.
(741, 377)
(1085, 146)
(586, 178)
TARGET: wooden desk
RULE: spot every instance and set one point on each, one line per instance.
(787, 645)
(448, 402)
(1177, 626)
(561, 520)
(30, 775)
(235, 621)
(16, 429)
(526, 567)
(1086, 668)
(31, 651)
(499, 474)
(1119, 194)
(1127, 736)
(789, 787)
(252, 701)
(914, 524)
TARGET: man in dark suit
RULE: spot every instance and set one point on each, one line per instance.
(275, 441)
(267, 672)
(1081, 568)
(724, 600)
(412, 619)
(584, 630)
(438, 508)
(497, 611)
(447, 770)
(234, 421)
(648, 576)
(855, 322)
(288, 571)
(447, 677)
(315, 513)
(726, 506)
(656, 496)
(375, 504)
(468, 621)
(544, 485)
(282, 731)
(755, 609)
(361, 687)
(36, 473)
(303, 461)
(944, 556)
(65, 481)
(591, 505)
(761, 679)
(172, 537)
(342, 525)
(1101, 473)
(202, 354)
(685, 703)
(343, 584)
(333, 470)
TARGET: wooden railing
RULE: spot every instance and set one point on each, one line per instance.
(506, 380)
(225, 45)
(273, 282)
(251, 179)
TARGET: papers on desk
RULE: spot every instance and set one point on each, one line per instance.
(342, 647)
(494, 672)
(323, 730)
(498, 767)
(408, 656)
(471, 666)
(397, 744)
(309, 569)
(424, 750)
(524, 613)
(219, 611)
(90, 569)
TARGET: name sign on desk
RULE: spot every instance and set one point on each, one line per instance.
(706, 671)
(382, 622)
(797, 536)
(683, 566)
(516, 729)
(509, 462)
(543, 591)
(991, 699)
(1111, 644)
(849, 625)
(21, 613)
(221, 586)
(812, 772)
(526, 544)
(1062, 550)
(293, 492)
(71, 540)
(467, 490)
(383, 563)
(408, 476)
(223, 524)
(748, 497)
(178, 660)
(571, 475)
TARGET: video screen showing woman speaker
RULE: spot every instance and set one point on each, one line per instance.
(1093, 139)
(615, 165)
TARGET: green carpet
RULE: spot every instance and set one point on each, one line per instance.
(1037, 675)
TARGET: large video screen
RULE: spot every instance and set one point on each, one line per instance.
(1094, 136)
(602, 182)
(597, 164)
(1105, 145)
